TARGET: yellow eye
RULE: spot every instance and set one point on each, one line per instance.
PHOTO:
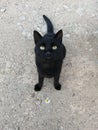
(54, 47)
(42, 48)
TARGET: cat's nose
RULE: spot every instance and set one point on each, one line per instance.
(48, 55)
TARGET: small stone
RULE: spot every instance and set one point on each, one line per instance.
(73, 94)
(33, 95)
(61, 128)
(93, 101)
(43, 29)
(67, 35)
(67, 8)
(38, 29)
(29, 35)
(18, 128)
(22, 18)
(93, 15)
(18, 24)
(1, 78)
(79, 11)
(8, 64)
(3, 10)
(21, 28)
(24, 33)
(38, 101)
(87, 42)
(90, 49)
(34, 12)
(95, 32)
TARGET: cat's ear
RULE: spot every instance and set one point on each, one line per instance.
(37, 36)
(59, 35)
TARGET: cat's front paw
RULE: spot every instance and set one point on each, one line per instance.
(57, 86)
(37, 87)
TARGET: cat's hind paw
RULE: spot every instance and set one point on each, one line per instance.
(37, 87)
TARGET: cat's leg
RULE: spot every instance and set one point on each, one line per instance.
(39, 85)
(57, 85)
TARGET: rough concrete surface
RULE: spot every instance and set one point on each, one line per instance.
(75, 107)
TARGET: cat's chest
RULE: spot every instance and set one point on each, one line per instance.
(48, 65)
(48, 69)
(51, 66)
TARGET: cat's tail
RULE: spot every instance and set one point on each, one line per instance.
(49, 24)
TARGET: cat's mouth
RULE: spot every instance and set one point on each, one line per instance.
(48, 59)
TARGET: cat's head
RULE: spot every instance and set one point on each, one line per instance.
(49, 46)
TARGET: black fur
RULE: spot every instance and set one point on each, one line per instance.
(49, 55)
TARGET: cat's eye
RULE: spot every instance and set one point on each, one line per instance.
(42, 48)
(54, 47)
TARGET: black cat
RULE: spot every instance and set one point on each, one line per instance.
(49, 55)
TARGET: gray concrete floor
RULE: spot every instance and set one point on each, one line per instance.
(75, 107)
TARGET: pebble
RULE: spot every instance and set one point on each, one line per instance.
(18, 128)
(1, 78)
(61, 128)
(3, 10)
(21, 28)
(38, 101)
(79, 11)
(95, 32)
(29, 35)
(34, 12)
(73, 94)
(38, 28)
(24, 33)
(87, 42)
(8, 64)
(90, 49)
(33, 95)
(67, 8)
(93, 15)
(67, 35)
(22, 18)
(43, 30)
